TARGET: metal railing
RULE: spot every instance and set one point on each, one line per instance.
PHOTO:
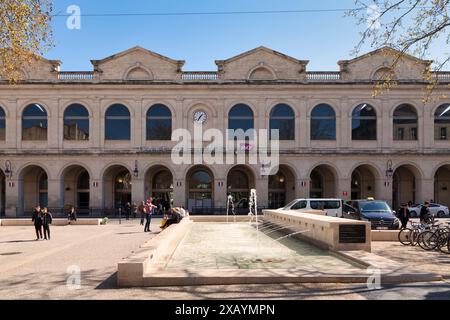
(323, 75)
(442, 76)
(199, 76)
(76, 75)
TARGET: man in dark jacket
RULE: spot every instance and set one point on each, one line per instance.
(425, 213)
(404, 215)
(46, 222)
(37, 219)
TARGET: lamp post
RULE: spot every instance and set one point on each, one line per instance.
(389, 170)
(8, 169)
(136, 170)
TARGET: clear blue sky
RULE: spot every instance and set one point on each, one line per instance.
(323, 38)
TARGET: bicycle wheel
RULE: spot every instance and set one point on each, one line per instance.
(428, 240)
(444, 242)
(405, 236)
(414, 237)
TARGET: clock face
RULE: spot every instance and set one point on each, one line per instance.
(200, 117)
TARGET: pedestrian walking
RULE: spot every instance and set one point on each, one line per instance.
(47, 219)
(37, 220)
(142, 211)
(425, 213)
(404, 215)
(134, 209)
(127, 211)
(149, 208)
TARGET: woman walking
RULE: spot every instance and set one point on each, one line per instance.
(46, 222)
(37, 219)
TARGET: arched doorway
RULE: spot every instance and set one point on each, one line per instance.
(442, 185)
(240, 181)
(2, 193)
(200, 192)
(33, 189)
(281, 188)
(76, 188)
(363, 182)
(117, 184)
(322, 182)
(404, 185)
(159, 185)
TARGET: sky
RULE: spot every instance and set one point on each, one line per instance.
(323, 38)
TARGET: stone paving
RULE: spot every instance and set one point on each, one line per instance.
(38, 269)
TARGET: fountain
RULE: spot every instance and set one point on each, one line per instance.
(253, 206)
(230, 206)
(282, 247)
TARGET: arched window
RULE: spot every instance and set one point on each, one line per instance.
(240, 117)
(159, 123)
(364, 123)
(117, 123)
(238, 179)
(162, 180)
(2, 124)
(442, 122)
(76, 122)
(405, 123)
(282, 117)
(200, 180)
(34, 123)
(323, 123)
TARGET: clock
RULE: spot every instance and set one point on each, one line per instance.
(200, 117)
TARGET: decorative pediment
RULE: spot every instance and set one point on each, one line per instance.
(260, 64)
(384, 63)
(138, 64)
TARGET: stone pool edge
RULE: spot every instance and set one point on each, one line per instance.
(146, 267)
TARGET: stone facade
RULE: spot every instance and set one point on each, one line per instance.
(261, 79)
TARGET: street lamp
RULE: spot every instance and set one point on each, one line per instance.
(389, 170)
(8, 169)
(136, 170)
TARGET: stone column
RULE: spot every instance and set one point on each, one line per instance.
(344, 189)
(138, 190)
(13, 206)
(96, 194)
(425, 190)
(54, 192)
(54, 139)
(383, 189)
(302, 188)
(11, 123)
(262, 191)
(179, 193)
(136, 126)
(220, 193)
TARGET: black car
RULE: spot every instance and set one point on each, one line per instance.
(377, 212)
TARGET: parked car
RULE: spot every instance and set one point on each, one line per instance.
(436, 210)
(377, 212)
(332, 207)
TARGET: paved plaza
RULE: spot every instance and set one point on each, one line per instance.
(32, 269)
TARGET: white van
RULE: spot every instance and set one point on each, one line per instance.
(332, 207)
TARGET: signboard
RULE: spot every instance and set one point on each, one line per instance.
(352, 233)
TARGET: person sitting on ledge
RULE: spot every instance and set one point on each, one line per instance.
(175, 217)
(72, 216)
